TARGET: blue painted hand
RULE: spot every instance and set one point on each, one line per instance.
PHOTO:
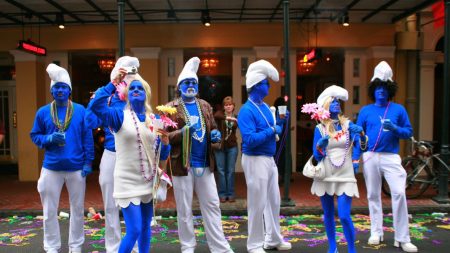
(56, 138)
(323, 142)
(215, 136)
(387, 124)
(87, 169)
(354, 129)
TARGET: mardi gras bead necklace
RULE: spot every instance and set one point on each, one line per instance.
(202, 120)
(68, 118)
(228, 128)
(157, 148)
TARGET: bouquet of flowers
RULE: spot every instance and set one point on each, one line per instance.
(165, 111)
(317, 112)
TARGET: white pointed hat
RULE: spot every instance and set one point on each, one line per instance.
(259, 71)
(383, 72)
(189, 70)
(123, 62)
(332, 91)
(58, 75)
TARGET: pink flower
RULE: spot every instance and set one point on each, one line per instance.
(168, 122)
(320, 114)
(310, 108)
(121, 89)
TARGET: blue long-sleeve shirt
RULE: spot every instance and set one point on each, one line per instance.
(113, 116)
(92, 121)
(258, 138)
(370, 120)
(79, 147)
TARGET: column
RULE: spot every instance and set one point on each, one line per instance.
(149, 70)
(426, 91)
(355, 81)
(30, 91)
(272, 55)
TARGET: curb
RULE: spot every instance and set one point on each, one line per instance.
(167, 212)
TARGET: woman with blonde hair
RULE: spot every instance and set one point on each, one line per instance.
(140, 152)
(334, 140)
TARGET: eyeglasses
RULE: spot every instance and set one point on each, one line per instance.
(187, 82)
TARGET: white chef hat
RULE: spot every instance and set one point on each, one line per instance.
(332, 91)
(189, 70)
(123, 62)
(58, 75)
(259, 71)
(383, 72)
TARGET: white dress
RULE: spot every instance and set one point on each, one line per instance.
(338, 179)
(129, 184)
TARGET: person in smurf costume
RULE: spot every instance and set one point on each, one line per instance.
(59, 128)
(192, 162)
(140, 154)
(107, 163)
(336, 140)
(258, 130)
(385, 122)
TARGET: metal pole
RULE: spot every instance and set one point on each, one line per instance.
(442, 196)
(286, 201)
(121, 7)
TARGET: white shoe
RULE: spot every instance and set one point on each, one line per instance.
(406, 246)
(258, 250)
(281, 246)
(375, 239)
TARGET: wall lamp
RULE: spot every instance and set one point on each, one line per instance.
(345, 20)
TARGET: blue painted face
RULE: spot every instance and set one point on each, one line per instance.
(335, 107)
(60, 92)
(381, 95)
(261, 90)
(136, 92)
(188, 88)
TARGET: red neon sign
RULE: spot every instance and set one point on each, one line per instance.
(30, 47)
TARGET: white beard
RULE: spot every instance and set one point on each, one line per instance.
(190, 93)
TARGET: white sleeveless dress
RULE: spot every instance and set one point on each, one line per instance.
(129, 184)
(338, 180)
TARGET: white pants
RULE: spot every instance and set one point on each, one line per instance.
(49, 186)
(112, 219)
(263, 201)
(206, 190)
(387, 165)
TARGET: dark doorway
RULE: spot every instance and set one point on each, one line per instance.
(438, 91)
(87, 77)
(215, 80)
(312, 78)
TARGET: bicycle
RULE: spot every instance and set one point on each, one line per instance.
(422, 169)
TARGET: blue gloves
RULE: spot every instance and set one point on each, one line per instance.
(56, 138)
(87, 169)
(215, 136)
(387, 124)
(356, 167)
(323, 142)
(354, 129)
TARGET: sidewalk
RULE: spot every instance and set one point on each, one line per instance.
(22, 198)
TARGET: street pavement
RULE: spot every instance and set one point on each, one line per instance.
(429, 231)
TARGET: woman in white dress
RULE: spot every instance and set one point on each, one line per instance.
(334, 140)
(140, 153)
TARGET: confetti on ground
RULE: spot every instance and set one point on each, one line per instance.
(307, 230)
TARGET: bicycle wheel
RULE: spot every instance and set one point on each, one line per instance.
(418, 178)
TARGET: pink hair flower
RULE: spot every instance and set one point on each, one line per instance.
(310, 108)
(320, 114)
(121, 89)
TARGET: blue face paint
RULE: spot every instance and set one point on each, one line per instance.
(381, 95)
(260, 91)
(60, 92)
(188, 88)
(136, 92)
(335, 108)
